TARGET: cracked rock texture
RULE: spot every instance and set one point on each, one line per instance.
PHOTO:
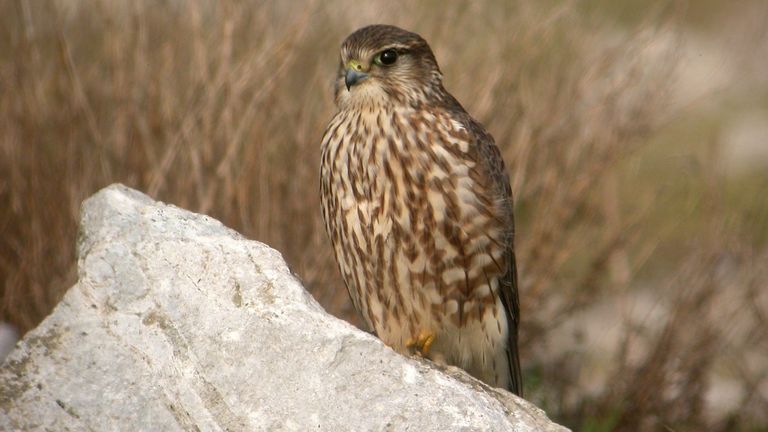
(179, 323)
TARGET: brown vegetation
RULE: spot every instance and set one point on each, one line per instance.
(219, 107)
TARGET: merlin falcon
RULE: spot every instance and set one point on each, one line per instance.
(418, 208)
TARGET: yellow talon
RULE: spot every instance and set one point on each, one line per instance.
(422, 343)
(428, 343)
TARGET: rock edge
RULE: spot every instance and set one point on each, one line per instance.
(179, 323)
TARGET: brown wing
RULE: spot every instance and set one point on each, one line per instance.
(508, 282)
(511, 302)
(490, 156)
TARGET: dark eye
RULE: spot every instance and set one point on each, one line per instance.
(387, 57)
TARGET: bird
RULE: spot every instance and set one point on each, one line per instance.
(418, 208)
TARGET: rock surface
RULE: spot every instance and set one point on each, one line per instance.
(179, 323)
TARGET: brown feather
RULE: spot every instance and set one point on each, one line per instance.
(418, 207)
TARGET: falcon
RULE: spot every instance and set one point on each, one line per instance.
(418, 208)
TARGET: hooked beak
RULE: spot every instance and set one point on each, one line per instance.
(353, 77)
(356, 72)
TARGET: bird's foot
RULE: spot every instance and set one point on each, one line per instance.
(421, 343)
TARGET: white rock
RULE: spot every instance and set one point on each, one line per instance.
(8, 338)
(179, 323)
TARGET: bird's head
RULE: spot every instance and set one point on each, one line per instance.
(386, 65)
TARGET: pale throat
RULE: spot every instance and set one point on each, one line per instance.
(366, 95)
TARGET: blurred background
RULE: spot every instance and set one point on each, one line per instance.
(635, 134)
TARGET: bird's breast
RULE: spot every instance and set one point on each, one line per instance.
(413, 218)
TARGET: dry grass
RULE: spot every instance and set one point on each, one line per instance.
(219, 107)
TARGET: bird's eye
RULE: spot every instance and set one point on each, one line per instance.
(386, 57)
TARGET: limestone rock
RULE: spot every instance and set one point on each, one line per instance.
(179, 323)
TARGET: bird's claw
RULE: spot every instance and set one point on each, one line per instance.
(421, 343)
